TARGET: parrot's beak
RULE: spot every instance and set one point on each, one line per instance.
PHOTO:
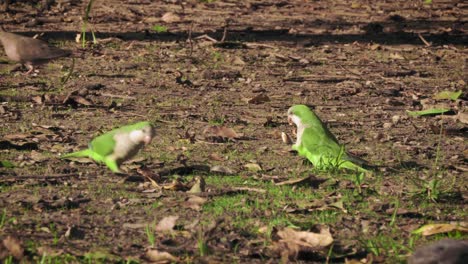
(147, 140)
(290, 122)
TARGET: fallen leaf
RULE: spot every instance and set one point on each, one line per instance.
(198, 186)
(135, 225)
(238, 61)
(14, 247)
(259, 99)
(339, 205)
(221, 169)
(311, 180)
(170, 17)
(17, 136)
(292, 242)
(353, 261)
(286, 138)
(253, 167)
(76, 99)
(195, 202)
(432, 229)
(50, 252)
(214, 156)
(37, 156)
(396, 56)
(462, 117)
(167, 223)
(374, 46)
(154, 255)
(306, 238)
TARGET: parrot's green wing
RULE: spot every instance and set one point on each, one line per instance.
(325, 153)
(104, 144)
(318, 147)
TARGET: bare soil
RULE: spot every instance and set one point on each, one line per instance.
(237, 64)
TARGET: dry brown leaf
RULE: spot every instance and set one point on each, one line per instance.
(170, 17)
(198, 186)
(259, 99)
(14, 247)
(167, 223)
(432, 229)
(16, 136)
(306, 238)
(51, 252)
(353, 261)
(77, 99)
(156, 256)
(37, 156)
(311, 179)
(253, 167)
(374, 46)
(221, 169)
(462, 117)
(195, 202)
(214, 156)
(293, 242)
(396, 56)
(286, 138)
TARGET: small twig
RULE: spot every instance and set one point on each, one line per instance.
(225, 31)
(190, 39)
(424, 40)
(255, 45)
(205, 36)
(118, 96)
(70, 72)
(248, 189)
(356, 74)
(210, 143)
(133, 114)
(38, 177)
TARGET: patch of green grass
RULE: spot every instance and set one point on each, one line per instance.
(150, 235)
(64, 258)
(383, 244)
(10, 92)
(159, 28)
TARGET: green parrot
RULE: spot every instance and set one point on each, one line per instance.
(118, 145)
(318, 144)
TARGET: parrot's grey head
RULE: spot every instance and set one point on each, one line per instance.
(143, 135)
(296, 114)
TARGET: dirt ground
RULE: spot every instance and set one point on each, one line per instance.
(189, 66)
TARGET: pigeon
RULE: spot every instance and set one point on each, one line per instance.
(29, 51)
(445, 251)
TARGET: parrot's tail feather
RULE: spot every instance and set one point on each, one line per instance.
(78, 154)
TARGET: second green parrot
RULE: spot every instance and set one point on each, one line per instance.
(318, 144)
(118, 145)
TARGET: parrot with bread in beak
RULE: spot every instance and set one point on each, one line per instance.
(316, 143)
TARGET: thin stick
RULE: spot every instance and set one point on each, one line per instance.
(190, 39)
(225, 32)
(424, 40)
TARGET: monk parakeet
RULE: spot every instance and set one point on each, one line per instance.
(317, 143)
(118, 145)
